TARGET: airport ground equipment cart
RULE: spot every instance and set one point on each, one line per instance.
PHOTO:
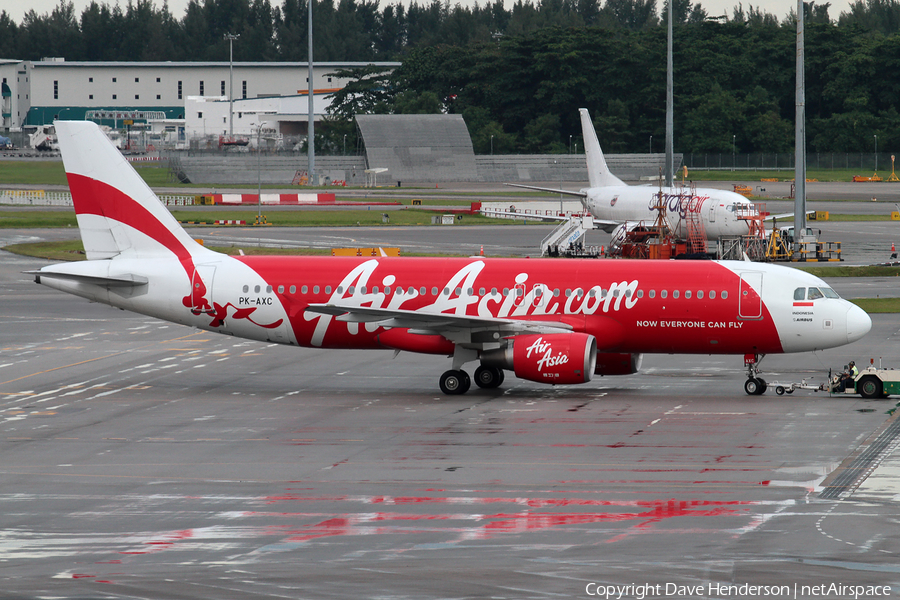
(788, 388)
(870, 383)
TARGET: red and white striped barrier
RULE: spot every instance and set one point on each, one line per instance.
(275, 199)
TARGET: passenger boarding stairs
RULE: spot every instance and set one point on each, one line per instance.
(567, 234)
(43, 139)
(696, 232)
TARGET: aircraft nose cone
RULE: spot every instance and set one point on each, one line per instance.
(858, 323)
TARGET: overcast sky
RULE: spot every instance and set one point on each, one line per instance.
(780, 8)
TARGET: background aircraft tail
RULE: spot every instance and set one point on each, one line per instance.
(598, 172)
(118, 214)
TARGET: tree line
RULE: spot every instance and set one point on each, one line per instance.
(518, 75)
(734, 89)
(353, 30)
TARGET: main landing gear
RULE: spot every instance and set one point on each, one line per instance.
(457, 381)
(755, 385)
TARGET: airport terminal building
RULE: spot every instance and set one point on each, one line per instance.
(36, 93)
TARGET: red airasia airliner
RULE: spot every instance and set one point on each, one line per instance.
(547, 320)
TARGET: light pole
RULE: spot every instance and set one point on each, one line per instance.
(876, 152)
(258, 174)
(231, 37)
(311, 128)
(732, 152)
(345, 145)
(492, 144)
(651, 144)
(570, 143)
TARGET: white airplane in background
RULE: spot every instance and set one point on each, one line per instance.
(616, 205)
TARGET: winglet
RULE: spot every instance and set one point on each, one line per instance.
(598, 172)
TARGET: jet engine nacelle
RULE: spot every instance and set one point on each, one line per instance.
(547, 358)
(620, 234)
(618, 363)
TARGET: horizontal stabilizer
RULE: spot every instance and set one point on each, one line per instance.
(126, 280)
(552, 191)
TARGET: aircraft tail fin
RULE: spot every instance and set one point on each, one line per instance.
(598, 173)
(118, 214)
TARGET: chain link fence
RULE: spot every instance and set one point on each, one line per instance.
(863, 161)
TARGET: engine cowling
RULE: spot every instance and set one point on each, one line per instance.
(620, 234)
(547, 358)
(618, 363)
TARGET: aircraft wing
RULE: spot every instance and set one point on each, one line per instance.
(604, 224)
(551, 190)
(435, 323)
(523, 216)
(789, 215)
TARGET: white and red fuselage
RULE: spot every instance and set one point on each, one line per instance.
(696, 307)
(554, 314)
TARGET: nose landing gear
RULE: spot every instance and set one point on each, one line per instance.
(755, 385)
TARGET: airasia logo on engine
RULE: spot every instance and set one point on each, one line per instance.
(546, 349)
(555, 357)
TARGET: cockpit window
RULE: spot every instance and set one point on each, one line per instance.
(829, 293)
(800, 294)
(814, 294)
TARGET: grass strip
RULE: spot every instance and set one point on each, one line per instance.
(848, 271)
(878, 305)
(32, 218)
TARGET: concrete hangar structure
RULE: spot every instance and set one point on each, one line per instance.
(36, 93)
